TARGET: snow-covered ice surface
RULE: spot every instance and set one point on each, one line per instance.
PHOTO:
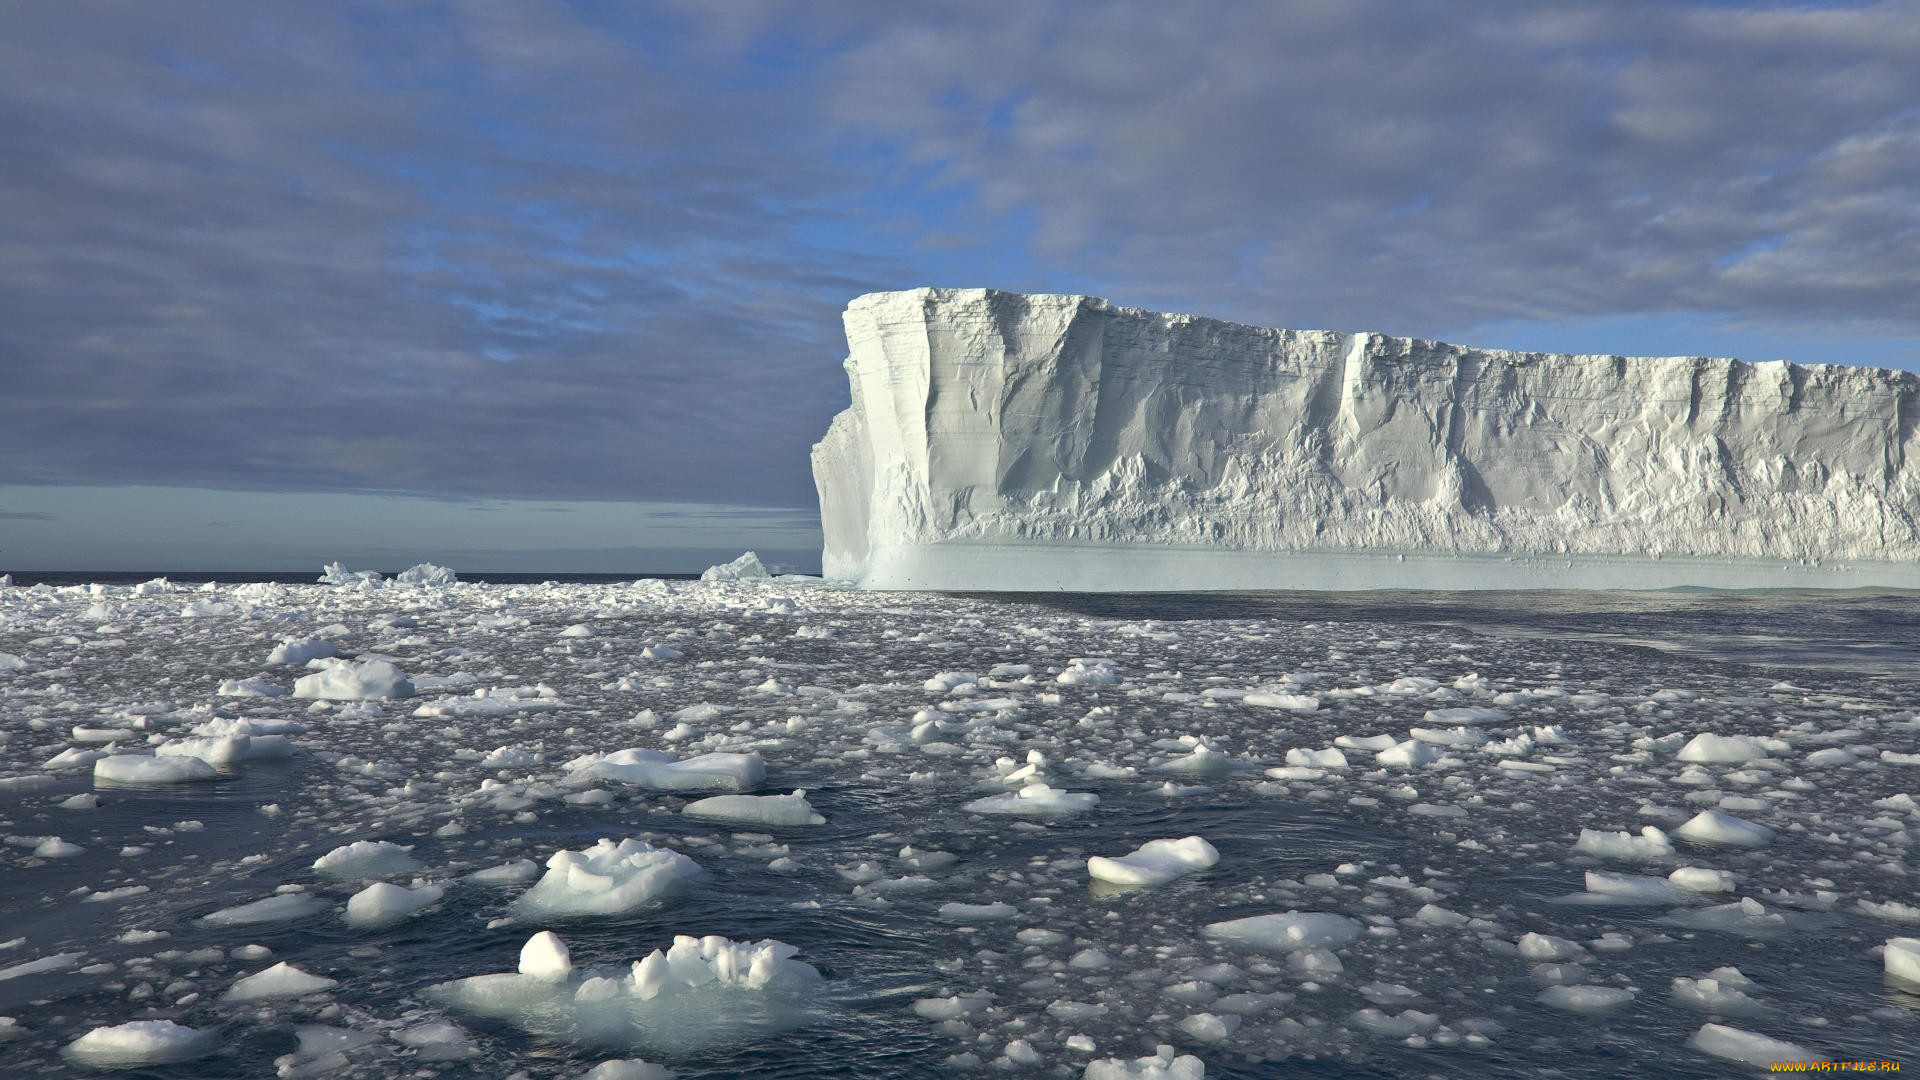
(1379, 804)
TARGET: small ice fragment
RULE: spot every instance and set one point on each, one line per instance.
(1649, 845)
(1155, 862)
(140, 769)
(971, 913)
(1588, 1000)
(354, 681)
(1709, 749)
(1163, 1065)
(284, 907)
(773, 811)
(1285, 932)
(140, 1042)
(1745, 1047)
(365, 859)
(1901, 959)
(1716, 827)
(545, 957)
(605, 879)
(279, 981)
(383, 904)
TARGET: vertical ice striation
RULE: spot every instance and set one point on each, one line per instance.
(1007, 441)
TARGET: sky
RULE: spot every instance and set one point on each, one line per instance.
(556, 286)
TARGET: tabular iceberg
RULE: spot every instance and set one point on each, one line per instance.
(1002, 441)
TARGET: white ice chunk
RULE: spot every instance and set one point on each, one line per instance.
(301, 650)
(747, 567)
(1035, 800)
(1651, 844)
(773, 811)
(284, 907)
(365, 859)
(1901, 960)
(546, 957)
(1707, 748)
(658, 771)
(383, 904)
(1155, 862)
(1715, 827)
(354, 681)
(1745, 1047)
(1163, 1065)
(140, 1042)
(1285, 932)
(605, 879)
(140, 769)
(1588, 1000)
(282, 980)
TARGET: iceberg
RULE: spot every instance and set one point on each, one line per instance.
(1000, 441)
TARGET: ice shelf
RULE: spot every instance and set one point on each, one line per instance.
(999, 441)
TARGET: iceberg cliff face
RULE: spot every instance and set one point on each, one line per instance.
(1004, 441)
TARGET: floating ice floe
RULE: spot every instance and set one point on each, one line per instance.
(1162, 1065)
(142, 769)
(1715, 827)
(227, 749)
(299, 651)
(345, 680)
(1285, 932)
(1707, 748)
(1746, 1047)
(282, 980)
(772, 811)
(656, 770)
(383, 904)
(1036, 800)
(605, 879)
(1900, 959)
(1155, 862)
(747, 567)
(700, 994)
(140, 1042)
(1721, 991)
(1587, 1000)
(1649, 845)
(284, 907)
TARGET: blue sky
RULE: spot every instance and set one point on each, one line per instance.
(556, 286)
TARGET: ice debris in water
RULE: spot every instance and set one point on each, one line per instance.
(1162, 1065)
(383, 904)
(140, 1042)
(1285, 932)
(773, 811)
(353, 680)
(699, 994)
(282, 980)
(1746, 1047)
(1155, 862)
(605, 879)
(366, 859)
(657, 770)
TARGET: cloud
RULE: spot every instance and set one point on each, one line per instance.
(537, 250)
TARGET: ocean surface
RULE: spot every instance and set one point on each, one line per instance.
(1487, 898)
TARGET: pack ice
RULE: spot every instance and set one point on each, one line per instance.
(999, 441)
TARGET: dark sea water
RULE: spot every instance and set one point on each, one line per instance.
(830, 686)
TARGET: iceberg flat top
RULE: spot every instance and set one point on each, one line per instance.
(1006, 441)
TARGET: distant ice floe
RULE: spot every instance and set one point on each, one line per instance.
(745, 568)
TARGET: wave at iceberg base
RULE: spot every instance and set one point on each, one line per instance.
(1006, 442)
